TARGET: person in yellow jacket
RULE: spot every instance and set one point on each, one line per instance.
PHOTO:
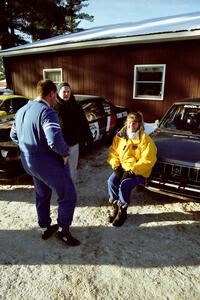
(132, 156)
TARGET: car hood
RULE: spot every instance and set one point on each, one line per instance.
(173, 147)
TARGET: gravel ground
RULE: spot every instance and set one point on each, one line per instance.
(154, 255)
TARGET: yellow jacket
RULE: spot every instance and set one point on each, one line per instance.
(137, 155)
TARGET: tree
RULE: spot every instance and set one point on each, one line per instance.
(2, 71)
(74, 16)
(38, 19)
(42, 19)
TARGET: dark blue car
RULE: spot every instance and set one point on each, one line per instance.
(177, 171)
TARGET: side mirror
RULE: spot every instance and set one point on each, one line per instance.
(157, 122)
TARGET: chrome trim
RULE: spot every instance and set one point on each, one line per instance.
(152, 189)
(176, 186)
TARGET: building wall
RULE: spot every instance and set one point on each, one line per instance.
(109, 72)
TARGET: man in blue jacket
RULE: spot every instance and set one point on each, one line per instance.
(44, 155)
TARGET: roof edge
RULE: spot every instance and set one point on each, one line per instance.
(149, 38)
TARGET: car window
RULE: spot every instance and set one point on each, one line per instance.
(92, 110)
(183, 117)
(6, 105)
(17, 103)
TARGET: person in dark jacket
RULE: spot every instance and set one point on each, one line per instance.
(73, 122)
(44, 155)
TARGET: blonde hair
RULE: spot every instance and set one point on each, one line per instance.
(137, 117)
(44, 87)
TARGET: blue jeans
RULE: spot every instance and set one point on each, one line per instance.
(51, 176)
(121, 190)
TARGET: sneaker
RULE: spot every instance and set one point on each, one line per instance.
(113, 212)
(48, 231)
(121, 215)
(67, 238)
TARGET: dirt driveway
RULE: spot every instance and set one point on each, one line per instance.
(155, 255)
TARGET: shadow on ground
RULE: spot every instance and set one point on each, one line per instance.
(136, 244)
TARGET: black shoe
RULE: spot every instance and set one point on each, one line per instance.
(114, 212)
(49, 231)
(121, 215)
(67, 238)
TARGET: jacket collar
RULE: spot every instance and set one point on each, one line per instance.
(39, 99)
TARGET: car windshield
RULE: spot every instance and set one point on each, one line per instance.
(184, 117)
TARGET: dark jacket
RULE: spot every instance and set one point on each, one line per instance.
(73, 122)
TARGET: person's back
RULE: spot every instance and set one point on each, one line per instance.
(32, 122)
(31, 139)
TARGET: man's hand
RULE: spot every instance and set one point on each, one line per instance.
(65, 158)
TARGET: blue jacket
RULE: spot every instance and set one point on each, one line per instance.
(37, 131)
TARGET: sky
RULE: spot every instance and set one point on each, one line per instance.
(108, 12)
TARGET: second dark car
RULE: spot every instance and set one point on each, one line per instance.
(103, 117)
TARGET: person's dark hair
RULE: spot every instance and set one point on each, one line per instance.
(45, 87)
(59, 99)
(60, 85)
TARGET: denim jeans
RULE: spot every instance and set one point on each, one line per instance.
(121, 190)
(48, 176)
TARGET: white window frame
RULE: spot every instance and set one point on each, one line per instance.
(162, 82)
(53, 70)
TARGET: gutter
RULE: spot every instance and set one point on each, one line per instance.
(134, 40)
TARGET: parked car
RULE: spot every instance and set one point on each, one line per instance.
(177, 171)
(103, 117)
(9, 105)
(9, 152)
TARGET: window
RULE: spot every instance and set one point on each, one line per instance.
(53, 74)
(17, 104)
(92, 110)
(183, 117)
(11, 106)
(149, 82)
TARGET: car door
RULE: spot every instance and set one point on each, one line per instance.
(111, 119)
(96, 117)
(4, 110)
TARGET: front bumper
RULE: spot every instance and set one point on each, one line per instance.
(173, 190)
(175, 180)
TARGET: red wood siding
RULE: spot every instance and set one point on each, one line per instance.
(109, 72)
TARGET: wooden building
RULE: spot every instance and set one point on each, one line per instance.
(145, 65)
